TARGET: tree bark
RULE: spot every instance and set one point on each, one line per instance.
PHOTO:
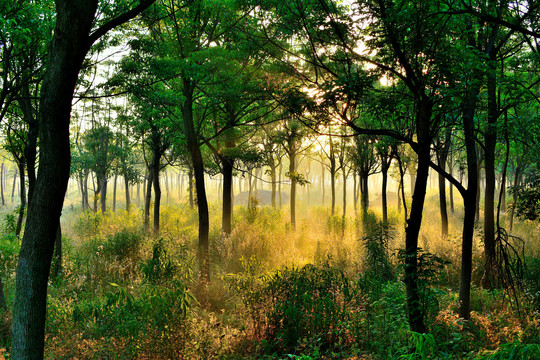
(489, 279)
(470, 206)
(2, 184)
(67, 52)
(157, 190)
(415, 310)
(22, 207)
(292, 171)
(115, 183)
(148, 199)
(198, 169)
(128, 198)
(226, 220)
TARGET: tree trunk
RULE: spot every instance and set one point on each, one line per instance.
(470, 207)
(148, 199)
(226, 220)
(2, 184)
(272, 164)
(128, 198)
(114, 192)
(67, 52)
(102, 178)
(355, 192)
(489, 279)
(157, 190)
(14, 185)
(384, 171)
(22, 207)
(451, 195)
(292, 171)
(198, 169)
(191, 196)
(344, 174)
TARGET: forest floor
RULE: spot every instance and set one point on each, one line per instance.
(328, 289)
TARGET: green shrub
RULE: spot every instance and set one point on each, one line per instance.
(309, 305)
(515, 351)
(160, 267)
(122, 245)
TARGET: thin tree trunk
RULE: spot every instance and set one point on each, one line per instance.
(489, 279)
(114, 192)
(148, 200)
(2, 184)
(157, 191)
(191, 195)
(292, 170)
(22, 207)
(226, 220)
(128, 198)
(14, 184)
(383, 190)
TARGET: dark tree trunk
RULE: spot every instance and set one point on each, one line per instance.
(22, 207)
(2, 185)
(30, 149)
(14, 185)
(191, 196)
(355, 192)
(157, 190)
(128, 198)
(226, 219)
(102, 178)
(198, 169)
(115, 183)
(84, 190)
(68, 49)
(67, 52)
(384, 171)
(470, 207)
(442, 156)
(292, 170)
(148, 199)
(451, 195)
(489, 279)
(272, 165)
(415, 310)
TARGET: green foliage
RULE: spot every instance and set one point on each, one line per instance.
(378, 268)
(527, 198)
(310, 305)
(122, 245)
(424, 347)
(430, 269)
(122, 313)
(515, 351)
(160, 267)
(531, 280)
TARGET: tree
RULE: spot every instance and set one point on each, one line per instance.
(68, 49)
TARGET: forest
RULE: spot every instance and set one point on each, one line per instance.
(269, 179)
